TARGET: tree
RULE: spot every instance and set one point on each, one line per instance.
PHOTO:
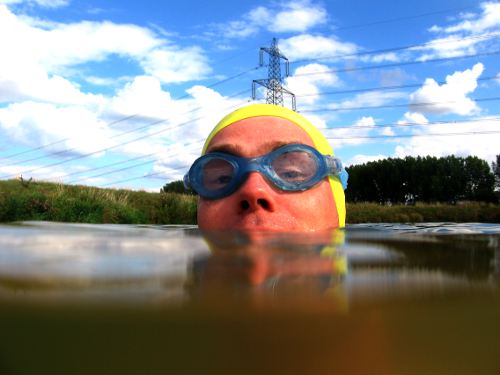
(425, 179)
(480, 181)
(495, 166)
(176, 187)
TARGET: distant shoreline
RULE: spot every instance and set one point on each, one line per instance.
(21, 201)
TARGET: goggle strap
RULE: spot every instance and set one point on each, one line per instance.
(334, 165)
(187, 183)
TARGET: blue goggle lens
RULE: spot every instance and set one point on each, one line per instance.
(295, 167)
(217, 174)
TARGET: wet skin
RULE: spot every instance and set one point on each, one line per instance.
(257, 204)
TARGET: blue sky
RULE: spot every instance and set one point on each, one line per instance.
(123, 93)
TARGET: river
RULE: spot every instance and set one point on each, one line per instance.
(373, 298)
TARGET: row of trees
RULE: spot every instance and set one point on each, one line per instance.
(424, 179)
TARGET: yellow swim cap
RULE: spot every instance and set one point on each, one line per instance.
(320, 142)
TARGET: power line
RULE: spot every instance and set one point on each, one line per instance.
(359, 137)
(239, 75)
(398, 64)
(411, 124)
(126, 118)
(108, 165)
(109, 147)
(394, 105)
(140, 177)
(382, 88)
(341, 138)
(418, 135)
(114, 171)
(115, 146)
(34, 149)
(131, 166)
(401, 18)
(400, 48)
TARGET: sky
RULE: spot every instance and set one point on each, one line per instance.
(123, 93)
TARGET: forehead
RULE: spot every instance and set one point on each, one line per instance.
(258, 135)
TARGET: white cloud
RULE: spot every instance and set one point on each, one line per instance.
(103, 81)
(466, 36)
(42, 3)
(298, 17)
(365, 121)
(306, 81)
(353, 135)
(175, 169)
(449, 46)
(239, 29)
(35, 124)
(28, 81)
(393, 77)
(45, 49)
(43, 104)
(387, 131)
(487, 20)
(484, 146)
(369, 99)
(381, 57)
(315, 47)
(173, 130)
(450, 97)
(174, 64)
(413, 118)
(143, 95)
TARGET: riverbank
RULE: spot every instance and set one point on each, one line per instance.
(68, 203)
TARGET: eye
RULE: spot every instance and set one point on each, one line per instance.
(217, 173)
(222, 180)
(291, 175)
(295, 167)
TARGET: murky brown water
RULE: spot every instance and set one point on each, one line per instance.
(388, 299)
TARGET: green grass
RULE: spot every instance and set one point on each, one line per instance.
(460, 213)
(67, 203)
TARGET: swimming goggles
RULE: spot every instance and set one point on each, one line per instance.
(293, 167)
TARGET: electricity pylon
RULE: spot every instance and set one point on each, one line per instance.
(274, 81)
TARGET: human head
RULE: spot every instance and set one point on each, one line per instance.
(256, 130)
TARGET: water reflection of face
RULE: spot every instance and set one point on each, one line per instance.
(257, 259)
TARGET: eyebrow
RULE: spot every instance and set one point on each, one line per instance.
(228, 148)
(235, 149)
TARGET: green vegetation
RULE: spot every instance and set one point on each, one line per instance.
(422, 179)
(56, 202)
(21, 200)
(177, 187)
(423, 212)
(495, 166)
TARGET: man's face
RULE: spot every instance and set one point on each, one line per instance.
(257, 204)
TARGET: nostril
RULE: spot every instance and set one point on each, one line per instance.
(263, 203)
(244, 205)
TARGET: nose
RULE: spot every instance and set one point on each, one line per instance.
(255, 194)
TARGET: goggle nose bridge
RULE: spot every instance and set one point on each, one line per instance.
(258, 164)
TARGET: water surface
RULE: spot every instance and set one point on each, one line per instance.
(383, 298)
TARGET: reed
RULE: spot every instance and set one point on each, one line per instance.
(69, 203)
